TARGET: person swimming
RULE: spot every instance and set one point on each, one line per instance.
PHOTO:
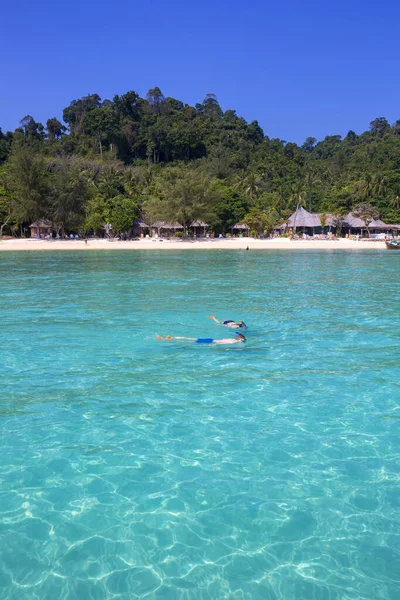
(240, 338)
(229, 323)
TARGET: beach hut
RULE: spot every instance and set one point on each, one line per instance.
(302, 219)
(241, 228)
(140, 228)
(352, 224)
(197, 224)
(169, 227)
(41, 228)
(355, 225)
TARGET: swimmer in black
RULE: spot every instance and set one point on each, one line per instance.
(231, 324)
(237, 340)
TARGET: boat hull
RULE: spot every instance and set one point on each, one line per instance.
(393, 245)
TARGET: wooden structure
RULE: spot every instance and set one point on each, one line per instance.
(159, 226)
(140, 228)
(197, 224)
(41, 229)
(310, 223)
(241, 228)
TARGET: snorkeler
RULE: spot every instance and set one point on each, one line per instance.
(231, 324)
(238, 339)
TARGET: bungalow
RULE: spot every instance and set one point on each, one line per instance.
(310, 223)
(159, 226)
(140, 228)
(201, 224)
(240, 229)
(41, 228)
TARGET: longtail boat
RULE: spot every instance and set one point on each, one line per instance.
(393, 245)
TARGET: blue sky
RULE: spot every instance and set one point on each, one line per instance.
(300, 68)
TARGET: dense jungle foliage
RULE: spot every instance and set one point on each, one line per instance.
(115, 161)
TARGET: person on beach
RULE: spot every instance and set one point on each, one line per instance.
(229, 323)
(237, 340)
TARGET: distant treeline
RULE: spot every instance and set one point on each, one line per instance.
(113, 161)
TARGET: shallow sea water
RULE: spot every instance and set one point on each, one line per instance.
(134, 468)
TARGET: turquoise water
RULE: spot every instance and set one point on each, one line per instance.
(134, 468)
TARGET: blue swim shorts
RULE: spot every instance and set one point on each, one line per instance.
(204, 341)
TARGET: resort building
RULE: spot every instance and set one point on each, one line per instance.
(240, 229)
(199, 224)
(41, 228)
(169, 228)
(140, 228)
(302, 221)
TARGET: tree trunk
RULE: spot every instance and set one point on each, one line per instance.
(2, 226)
(101, 146)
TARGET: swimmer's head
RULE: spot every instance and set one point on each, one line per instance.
(240, 337)
(242, 324)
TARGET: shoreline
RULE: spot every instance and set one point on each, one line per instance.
(200, 244)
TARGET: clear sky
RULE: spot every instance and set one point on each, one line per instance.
(301, 68)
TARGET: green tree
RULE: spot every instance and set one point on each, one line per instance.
(366, 212)
(74, 114)
(309, 144)
(55, 129)
(70, 191)
(183, 195)
(26, 179)
(5, 209)
(261, 221)
(31, 129)
(156, 100)
(103, 124)
(379, 125)
(230, 208)
(121, 212)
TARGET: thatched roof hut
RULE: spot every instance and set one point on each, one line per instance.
(352, 222)
(141, 224)
(302, 218)
(41, 228)
(167, 225)
(199, 224)
(240, 227)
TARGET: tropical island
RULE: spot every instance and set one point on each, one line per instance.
(133, 166)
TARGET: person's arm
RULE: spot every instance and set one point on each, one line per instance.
(215, 320)
(170, 337)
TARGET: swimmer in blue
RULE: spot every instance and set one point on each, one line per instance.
(229, 323)
(239, 339)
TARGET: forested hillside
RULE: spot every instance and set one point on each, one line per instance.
(111, 161)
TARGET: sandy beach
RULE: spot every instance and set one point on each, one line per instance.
(203, 244)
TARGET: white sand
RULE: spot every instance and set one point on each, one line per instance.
(206, 244)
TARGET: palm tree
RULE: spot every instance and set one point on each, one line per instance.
(249, 184)
(380, 183)
(394, 202)
(366, 186)
(297, 194)
(310, 180)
